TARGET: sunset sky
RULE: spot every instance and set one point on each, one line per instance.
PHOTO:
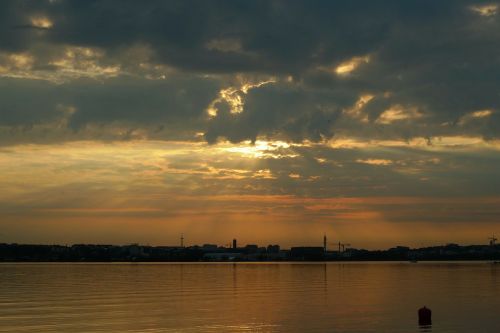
(377, 123)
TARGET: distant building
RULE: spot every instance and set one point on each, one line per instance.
(222, 256)
(400, 249)
(273, 248)
(135, 250)
(307, 253)
(209, 247)
(235, 244)
(251, 248)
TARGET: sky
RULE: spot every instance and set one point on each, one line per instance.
(377, 123)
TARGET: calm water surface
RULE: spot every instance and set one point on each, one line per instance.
(255, 297)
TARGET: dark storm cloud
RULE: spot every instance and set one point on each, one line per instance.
(296, 114)
(158, 105)
(278, 35)
(438, 58)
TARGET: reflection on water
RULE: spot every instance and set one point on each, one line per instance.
(425, 328)
(248, 297)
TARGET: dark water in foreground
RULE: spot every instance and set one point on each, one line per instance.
(255, 297)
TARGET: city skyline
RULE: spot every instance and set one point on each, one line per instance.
(327, 244)
(266, 121)
(489, 253)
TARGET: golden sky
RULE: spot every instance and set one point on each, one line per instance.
(268, 192)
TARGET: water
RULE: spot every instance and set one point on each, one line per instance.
(248, 297)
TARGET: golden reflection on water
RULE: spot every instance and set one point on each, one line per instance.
(247, 297)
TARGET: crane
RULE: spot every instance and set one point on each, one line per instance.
(325, 243)
(343, 246)
(340, 254)
(340, 245)
(493, 240)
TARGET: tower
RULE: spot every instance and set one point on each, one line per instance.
(235, 244)
(324, 243)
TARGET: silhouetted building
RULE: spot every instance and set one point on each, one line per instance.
(209, 247)
(273, 248)
(222, 256)
(136, 252)
(251, 248)
(235, 244)
(307, 253)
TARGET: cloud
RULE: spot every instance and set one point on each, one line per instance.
(473, 116)
(32, 110)
(41, 22)
(397, 113)
(425, 66)
(485, 9)
(350, 65)
(372, 161)
(157, 185)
